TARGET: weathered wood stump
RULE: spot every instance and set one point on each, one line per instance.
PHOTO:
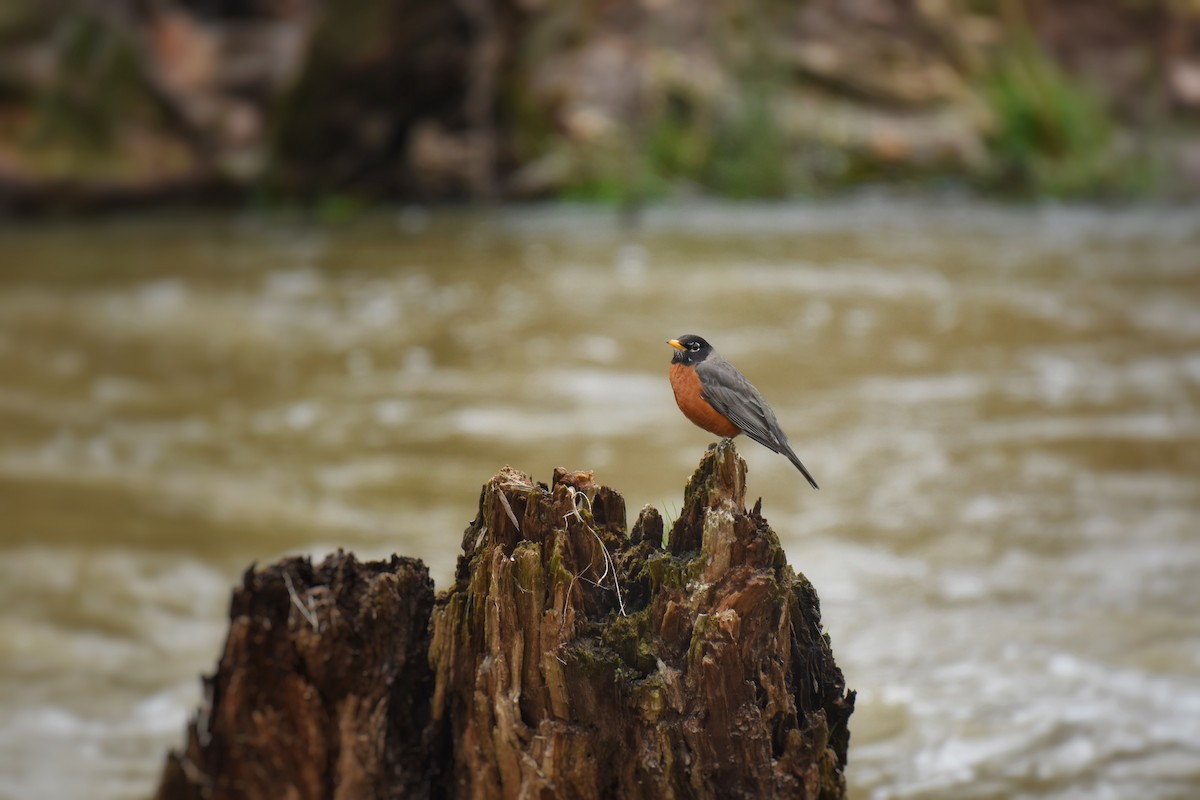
(569, 660)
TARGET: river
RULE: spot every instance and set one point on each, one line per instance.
(1002, 407)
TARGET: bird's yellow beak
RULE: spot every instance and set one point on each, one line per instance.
(675, 343)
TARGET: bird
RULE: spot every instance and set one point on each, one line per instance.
(717, 397)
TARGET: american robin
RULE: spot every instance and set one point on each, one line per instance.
(713, 394)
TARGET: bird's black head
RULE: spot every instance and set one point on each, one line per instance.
(690, 350)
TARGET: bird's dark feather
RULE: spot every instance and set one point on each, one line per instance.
(728, 391)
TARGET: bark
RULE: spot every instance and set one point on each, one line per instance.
(569, 659)
(322, 690)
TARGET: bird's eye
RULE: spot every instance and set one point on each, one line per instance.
(694, 347)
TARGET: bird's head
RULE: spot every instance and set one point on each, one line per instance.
(689, 350)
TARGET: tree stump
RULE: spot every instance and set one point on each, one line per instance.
(568, 660)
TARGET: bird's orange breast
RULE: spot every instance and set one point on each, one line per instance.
(686, 385)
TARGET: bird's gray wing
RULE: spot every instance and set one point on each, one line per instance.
(727, 390)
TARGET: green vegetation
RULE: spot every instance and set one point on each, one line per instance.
(687, 136)
(1051, 134)
(739, 154)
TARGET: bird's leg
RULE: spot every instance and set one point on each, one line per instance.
(722, 444)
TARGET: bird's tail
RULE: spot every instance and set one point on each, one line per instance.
(795, 459)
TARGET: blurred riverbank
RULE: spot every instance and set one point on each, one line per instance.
(133, 103)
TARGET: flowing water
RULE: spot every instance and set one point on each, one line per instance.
(1002, 407)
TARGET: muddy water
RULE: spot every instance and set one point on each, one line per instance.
(1002, 408)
